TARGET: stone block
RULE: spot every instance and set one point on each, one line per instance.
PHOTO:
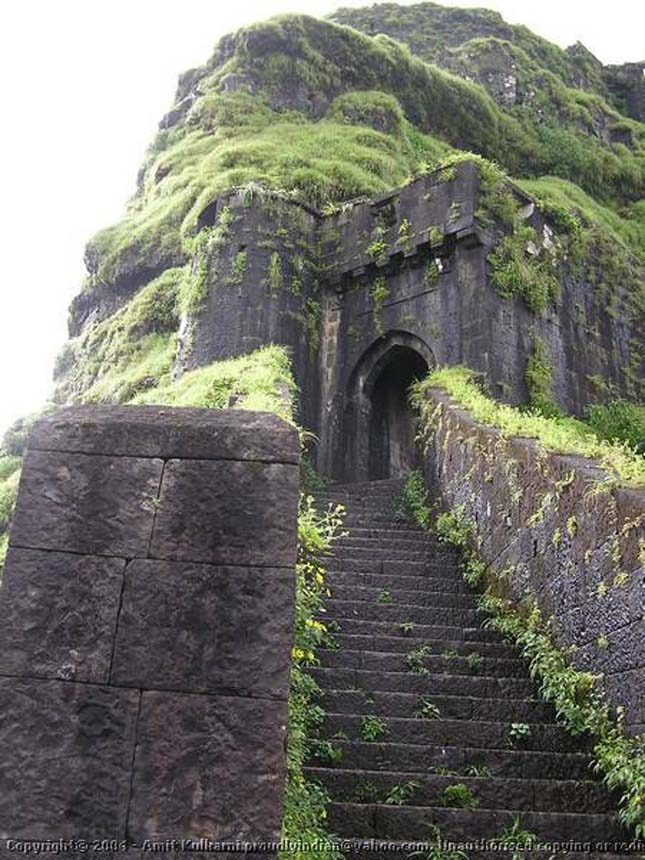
(223, 758)
(224, 512)
(58, 614)
(66, 751)
(167, 433)
(194, 627)
(89, 504)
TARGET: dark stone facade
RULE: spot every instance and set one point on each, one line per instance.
(402, 275)
(144, 644)
(570, 541)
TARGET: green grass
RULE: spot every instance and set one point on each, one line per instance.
(562, 434)
(555, 192)
(260, 380)
(387, 115)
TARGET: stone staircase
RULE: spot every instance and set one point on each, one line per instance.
(435, 726)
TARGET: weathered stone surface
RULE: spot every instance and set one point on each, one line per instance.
(199, 628)
(227, 513)
(95, 505)
(58, 614)
(66, 752)
(569, 541)
(222, 758)
(165, 433)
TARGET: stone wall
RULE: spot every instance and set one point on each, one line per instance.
(566, 535)
(310, 281)
(146, 626)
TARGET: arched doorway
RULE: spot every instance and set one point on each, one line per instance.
(380, 424)
(393, 422)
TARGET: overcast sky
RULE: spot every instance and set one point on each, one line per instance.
(84, 83)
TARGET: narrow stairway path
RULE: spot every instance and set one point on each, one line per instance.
(434, 725)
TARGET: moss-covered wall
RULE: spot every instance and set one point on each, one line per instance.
(459, 266)
(562, 531)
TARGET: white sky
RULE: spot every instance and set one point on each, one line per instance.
(83, 85)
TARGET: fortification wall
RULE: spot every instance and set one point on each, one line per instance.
(146, 618)
(412, 263)
(566, 536)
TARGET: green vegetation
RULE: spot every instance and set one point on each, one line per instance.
(403, 793)
(413, 501)
(561, 434)
(238, 267)
(519, 732)
(619, 421)
(257, 381)
(416, 657)
(459, 796)
(579, 703)
(9, 478)
(516, 835)
(555, 102)
(305, 802)
(427, 710)
(384, 597)
(380, 295)
(523, 268)
(390, 116)
(373, 728)
(538, 377)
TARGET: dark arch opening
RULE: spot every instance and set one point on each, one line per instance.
(393, 421)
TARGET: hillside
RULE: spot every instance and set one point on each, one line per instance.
(324, 112)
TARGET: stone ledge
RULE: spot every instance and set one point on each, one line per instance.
(168, 433)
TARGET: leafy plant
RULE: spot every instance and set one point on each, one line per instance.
(519, 732)
(518, 836)
(413, 501)
(326, 751)
(619, 421)
(407, 627)
(474, 661)
(459, 796)
(384, 597)
(401, 794)
(416, 657)
(478, 770)
(365, 791)
(427, 710)
(373, 728)
(305, 801)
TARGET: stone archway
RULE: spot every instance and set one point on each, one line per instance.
(380, 425)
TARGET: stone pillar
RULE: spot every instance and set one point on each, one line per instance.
(146, 622)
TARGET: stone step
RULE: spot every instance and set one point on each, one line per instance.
(378, 542)
(447, 707)
(433, 685)
(458, 760)
(449, 580)
(537, 795)
(392, 553)
(355, 626)
(410, 597)
(435, 664)
(398, 531)
(472, 733)
(390, 567)
(401, 612)
(414, 822)
(406, 643)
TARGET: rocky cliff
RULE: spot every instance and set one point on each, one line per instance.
(324, 113)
